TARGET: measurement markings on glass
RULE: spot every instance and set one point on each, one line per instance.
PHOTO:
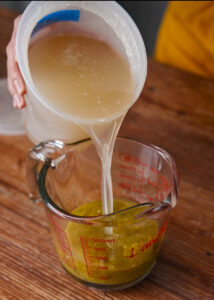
(92, 261)
(62, 240)
(70, 251)
(89, 259)
(137, 185)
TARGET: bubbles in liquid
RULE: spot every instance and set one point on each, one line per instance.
(85, 77)
(72, 72)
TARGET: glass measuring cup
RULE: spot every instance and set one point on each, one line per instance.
(105, 251)
(103, 20)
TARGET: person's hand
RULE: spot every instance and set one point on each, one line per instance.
(16, 84)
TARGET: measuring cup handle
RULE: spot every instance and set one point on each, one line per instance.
(43, 152)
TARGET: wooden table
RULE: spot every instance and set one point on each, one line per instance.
(175, 112)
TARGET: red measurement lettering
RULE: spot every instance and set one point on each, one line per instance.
(99, 249)
(58, 232)
(135, 161)
(147, 245)
(130, 168)
(131, 177)
(131, 188)
(61, 237)
(103, 278)
(132, 253)
(101, 258)
(102, 240)
(124, 186)
(148, 175)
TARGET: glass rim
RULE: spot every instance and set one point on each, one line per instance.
(153, 205)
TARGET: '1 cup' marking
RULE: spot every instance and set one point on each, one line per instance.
(134, 252)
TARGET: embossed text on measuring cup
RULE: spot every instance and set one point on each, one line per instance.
(141, 180)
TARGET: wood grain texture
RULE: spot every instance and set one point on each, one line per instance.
(175, 112)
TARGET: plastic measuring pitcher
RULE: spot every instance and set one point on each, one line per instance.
(105, 251)
(105, 20)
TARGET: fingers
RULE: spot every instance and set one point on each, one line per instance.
(16, 84)
(13, 38)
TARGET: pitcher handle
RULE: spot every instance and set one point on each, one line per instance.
(50, 152)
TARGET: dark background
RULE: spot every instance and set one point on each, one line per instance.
(146, 14)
